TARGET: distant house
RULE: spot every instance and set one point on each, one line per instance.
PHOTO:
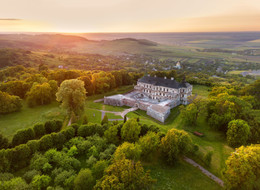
(178, 65)
(60, 66)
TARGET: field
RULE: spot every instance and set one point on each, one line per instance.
(181, 176)
(27, 117)
(202, 91)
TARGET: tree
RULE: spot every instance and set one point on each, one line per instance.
(85, 120)
(130, 131)
(149, 143)
(243, 168)
(84, 179)
(238, 133)
(125, 174)
(129, 151)
(14, 183)
(88, 85)
(39, 94)
(191, 112)
(111, 134)
(9, 104)
(104, 120)
(176, 143)
(41, 181)
(72, 94)
(98, 169)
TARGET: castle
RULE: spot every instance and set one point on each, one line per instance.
(155, 95)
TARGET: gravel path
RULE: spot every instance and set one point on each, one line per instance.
(206, 172)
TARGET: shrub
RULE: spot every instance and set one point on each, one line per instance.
(90, 129)
(53, 126)
(46, 143)
(3, 142)
(208, 157)
(22, 136)
(33, 145)
(58, 140)
(68, 133)
(39, 130)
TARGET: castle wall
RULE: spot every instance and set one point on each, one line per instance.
(158, 115)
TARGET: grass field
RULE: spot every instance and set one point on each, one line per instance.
(27, 117)
(202, 91)
(181, 176)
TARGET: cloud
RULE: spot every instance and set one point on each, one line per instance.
(10, 19)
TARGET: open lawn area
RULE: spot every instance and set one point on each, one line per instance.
(201, 90)
(27, 117)
(181, 176)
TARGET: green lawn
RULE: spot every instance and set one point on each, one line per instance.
(113, 116)
(181, 176)
(201, 90)
(27, 117)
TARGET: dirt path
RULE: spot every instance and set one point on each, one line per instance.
(206, 172)
(122, 114)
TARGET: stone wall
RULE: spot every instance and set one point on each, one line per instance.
(157, 115)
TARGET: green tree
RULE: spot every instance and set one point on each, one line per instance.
(84, 179)
(111, 134)
(85, 120)
(129, 151)
(88, 85)
(9, 104)
(72, 94)
(191, 112)
(130, 131)
(98, 169)
(238, 133)
(149, 144)
(104, 120)
(41, 181)
(176, 143)
(243, 168)
(39, 94)
(116, 176)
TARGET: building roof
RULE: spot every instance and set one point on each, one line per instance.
(160, 109)
(157, 81)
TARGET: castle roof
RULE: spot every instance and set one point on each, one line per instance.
(157, 81)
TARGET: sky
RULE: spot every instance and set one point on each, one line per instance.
(83, 16)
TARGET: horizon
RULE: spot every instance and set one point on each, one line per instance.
(129, 16)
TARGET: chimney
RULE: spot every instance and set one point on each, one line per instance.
(148, 75)
(172, 78)
(165, 77)
(155, 76)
